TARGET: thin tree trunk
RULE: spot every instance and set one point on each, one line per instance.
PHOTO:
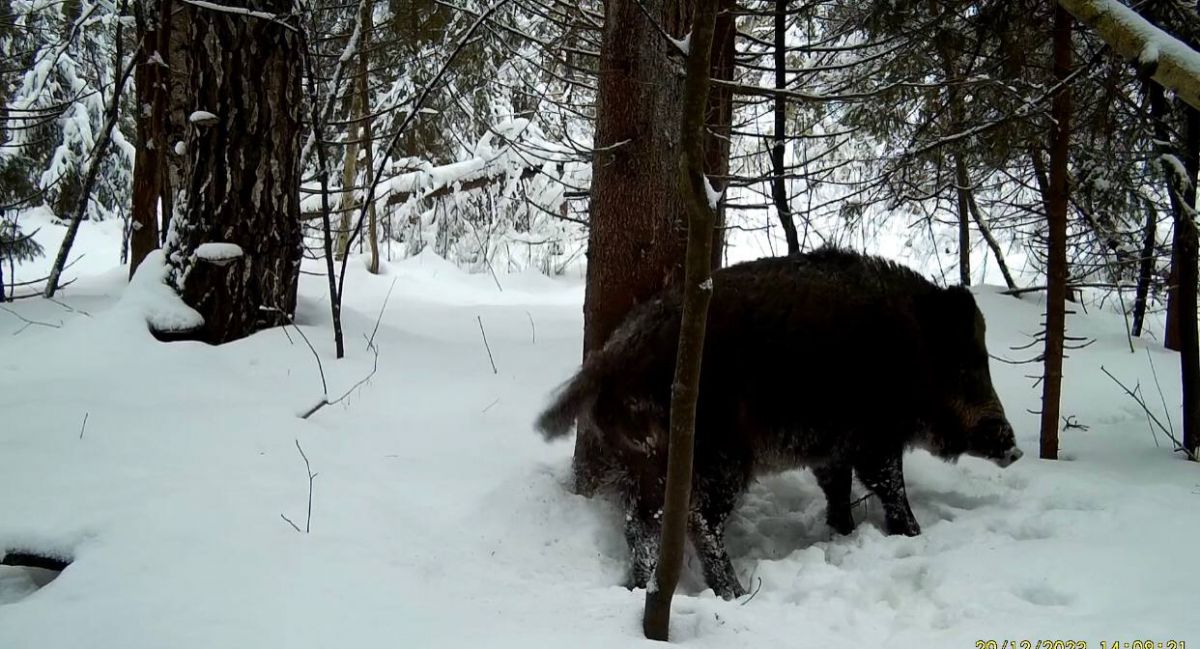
(961, 182)
(981, 223)
(364, 102)
(97, 156)
(147, 164)
(778, 185)
(697, 292)
(1189, 284)
(1158, 115)
(1145, 269)
(349, 174)
(719, 121)
(319, 138)
(1056, 202)
(176, 25)
(961, 177)
(242, 170)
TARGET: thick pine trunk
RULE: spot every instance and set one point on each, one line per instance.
(1056, 203)
(241, 174)
(636, 241)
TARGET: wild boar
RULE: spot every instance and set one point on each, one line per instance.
(830, 360)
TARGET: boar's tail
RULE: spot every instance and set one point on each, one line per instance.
(572, 398)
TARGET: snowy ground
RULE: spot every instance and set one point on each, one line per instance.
(440, 519)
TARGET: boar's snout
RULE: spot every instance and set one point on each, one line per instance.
(1013, 455)
(993, 439)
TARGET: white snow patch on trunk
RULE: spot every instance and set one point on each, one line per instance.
(202, 117)
(714, 196)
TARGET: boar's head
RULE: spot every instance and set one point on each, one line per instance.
(967, 416)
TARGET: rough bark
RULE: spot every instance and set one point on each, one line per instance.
(1056, 203)
(778, 186)
(1126, 32)
(241, 172)
(148, 158)
(697, 292)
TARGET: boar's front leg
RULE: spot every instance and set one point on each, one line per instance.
(835, 479)
(883, 474)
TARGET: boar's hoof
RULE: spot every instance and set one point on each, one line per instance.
(733, 591)
(842, 522)
(908, 527)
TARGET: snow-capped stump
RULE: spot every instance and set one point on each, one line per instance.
(152, 298)
(202, 118)
(220, 254)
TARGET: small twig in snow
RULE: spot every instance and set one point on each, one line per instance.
(532, 329)
(83, 426)
(1071, 422)
(757, 588)
(486, 346)
(379, 318)
(1161, 397)
(70, 308)
(289, 522)
(311, 477)
(326, 401)
(489, 406)
(29, 323)
(1138, 399)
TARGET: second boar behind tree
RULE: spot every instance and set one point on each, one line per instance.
(829, 360)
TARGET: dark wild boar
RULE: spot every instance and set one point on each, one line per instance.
(829, 360)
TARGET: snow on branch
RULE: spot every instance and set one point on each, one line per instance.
(1170, 62)
(241, 11)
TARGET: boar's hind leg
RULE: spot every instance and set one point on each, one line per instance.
(712, 502)
(884, 475)
(835, 481)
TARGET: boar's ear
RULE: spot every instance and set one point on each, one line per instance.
(948, 310)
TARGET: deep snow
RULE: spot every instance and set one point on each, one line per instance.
(440, 519)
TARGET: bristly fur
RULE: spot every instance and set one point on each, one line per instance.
(829, 360)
